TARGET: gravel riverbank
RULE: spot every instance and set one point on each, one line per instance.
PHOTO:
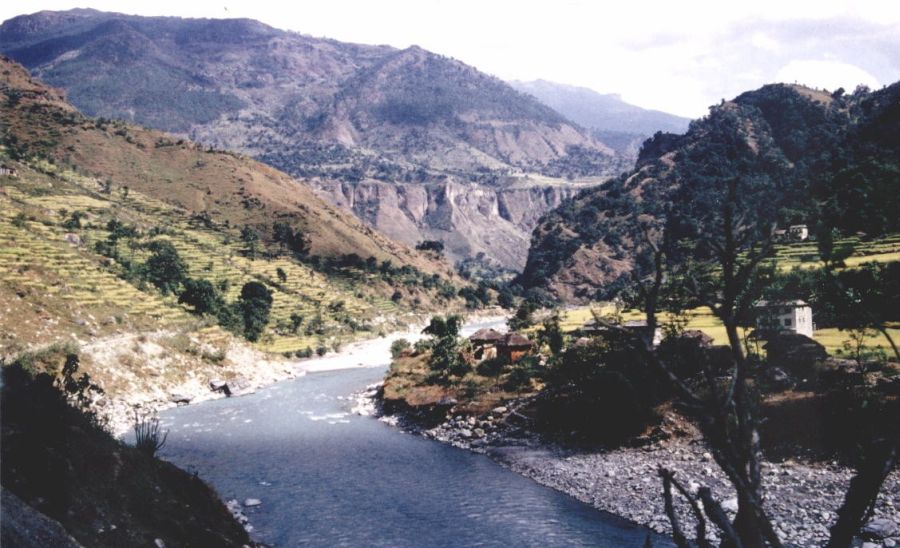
(802, 497)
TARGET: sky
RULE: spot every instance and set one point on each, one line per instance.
(675, 56)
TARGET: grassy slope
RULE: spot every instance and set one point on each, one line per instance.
(799, 255)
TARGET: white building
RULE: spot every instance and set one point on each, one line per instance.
(793, 316)
(798, 233)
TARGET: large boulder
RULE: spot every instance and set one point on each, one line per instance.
(22, 525)
(797, 354)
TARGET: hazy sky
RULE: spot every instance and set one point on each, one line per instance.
(676, 56)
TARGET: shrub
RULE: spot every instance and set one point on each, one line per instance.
(201, 295)
(445, 348)
(398, 347)
(165, 268)
(148, 436)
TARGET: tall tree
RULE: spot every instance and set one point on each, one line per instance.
(255, 303)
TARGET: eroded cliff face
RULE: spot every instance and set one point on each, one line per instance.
(468, 217)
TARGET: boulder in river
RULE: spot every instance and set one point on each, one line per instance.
(180, 399)
(880, 528)
(237, 387)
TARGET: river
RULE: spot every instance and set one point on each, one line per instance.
(328, 477)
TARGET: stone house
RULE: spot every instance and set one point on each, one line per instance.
(8, 170)
(794, 316)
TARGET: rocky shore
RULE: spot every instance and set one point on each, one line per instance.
(243, 371)
(803, 497)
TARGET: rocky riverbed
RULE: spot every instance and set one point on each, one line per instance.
(802, 497)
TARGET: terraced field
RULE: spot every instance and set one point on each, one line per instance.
(803, 255)
(57, 266)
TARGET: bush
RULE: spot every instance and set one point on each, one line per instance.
(398, 347)
(165, 268)
(201, 295)
(522, 372)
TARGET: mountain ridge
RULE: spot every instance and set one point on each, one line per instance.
(816, 150)
(609, 118)
(329, 112)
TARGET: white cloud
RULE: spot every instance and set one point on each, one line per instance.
(827, 74)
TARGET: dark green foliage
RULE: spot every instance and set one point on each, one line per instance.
(521, 373)
(79, 389)
(491, 367)
(523, 318)
(602, 391)
(296, 322)
(476, 297)
(398, 347)
(436, 246)
(74, 220)
(287, 237)
(551, 333)
(787, 158)
(255, 303)
(165, 268)
(20, 220)
(445, 346)
(282, 275)
(251, 241)
(202, 296)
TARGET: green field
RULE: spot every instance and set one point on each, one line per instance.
(796, 255)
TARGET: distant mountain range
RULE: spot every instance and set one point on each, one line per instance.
(418, 145)
(620, 125)
(305, 104)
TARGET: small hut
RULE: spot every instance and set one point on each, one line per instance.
(484, 342)
(513, 347)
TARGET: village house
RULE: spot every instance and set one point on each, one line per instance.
(798, 233)
(8, 170)
(513, 347)
(592, 328)
(793, 233)
(484, 342)
(795, 316)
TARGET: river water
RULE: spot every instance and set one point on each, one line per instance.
(327, 477)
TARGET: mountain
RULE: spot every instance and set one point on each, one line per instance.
(78, 177)
(818, 155)
(335, 113)
(621, 125)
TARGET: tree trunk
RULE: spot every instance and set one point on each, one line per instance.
(863, 491)
(887, 335)
(746, 525)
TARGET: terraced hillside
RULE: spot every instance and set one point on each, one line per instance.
(65, 279)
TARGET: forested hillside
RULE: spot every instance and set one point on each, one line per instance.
(793, 156)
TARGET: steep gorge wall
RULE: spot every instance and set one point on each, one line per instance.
(468, 217)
